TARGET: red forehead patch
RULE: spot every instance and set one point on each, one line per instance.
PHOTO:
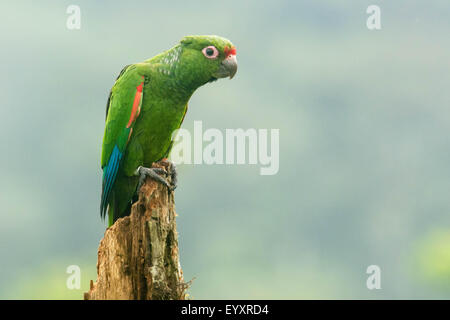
(229, 51)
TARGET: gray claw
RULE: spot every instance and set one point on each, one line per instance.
(173, 175)
(153, 173)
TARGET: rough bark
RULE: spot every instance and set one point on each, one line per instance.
(138, 256)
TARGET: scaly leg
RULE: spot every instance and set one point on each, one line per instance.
(153, 173)
(172, 168)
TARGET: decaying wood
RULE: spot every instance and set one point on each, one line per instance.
(138, 256)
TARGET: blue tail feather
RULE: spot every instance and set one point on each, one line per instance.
(109, 176)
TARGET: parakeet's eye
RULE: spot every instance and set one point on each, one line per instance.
(210, 52)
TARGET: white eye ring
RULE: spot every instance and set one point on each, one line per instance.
(210, 52)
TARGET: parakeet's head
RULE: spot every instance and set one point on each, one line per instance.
(208, 58)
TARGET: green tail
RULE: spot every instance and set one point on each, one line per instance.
(110, 216)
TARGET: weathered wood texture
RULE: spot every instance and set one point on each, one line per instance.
(138, 256)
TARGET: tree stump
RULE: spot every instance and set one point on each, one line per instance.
(138, 256)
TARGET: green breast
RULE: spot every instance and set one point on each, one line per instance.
(160, 116)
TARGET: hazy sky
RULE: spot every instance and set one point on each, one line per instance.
(363, 117)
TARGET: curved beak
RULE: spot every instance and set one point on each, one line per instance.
(230, 64)
(228, 67)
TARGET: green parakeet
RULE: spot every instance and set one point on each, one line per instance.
(146, 104)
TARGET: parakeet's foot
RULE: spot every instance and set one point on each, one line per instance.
(172, 169)
(153, 173)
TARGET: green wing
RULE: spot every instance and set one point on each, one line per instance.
(123, 108)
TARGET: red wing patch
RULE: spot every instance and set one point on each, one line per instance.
(136, 105)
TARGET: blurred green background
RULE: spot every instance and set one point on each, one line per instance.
(364, 146)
